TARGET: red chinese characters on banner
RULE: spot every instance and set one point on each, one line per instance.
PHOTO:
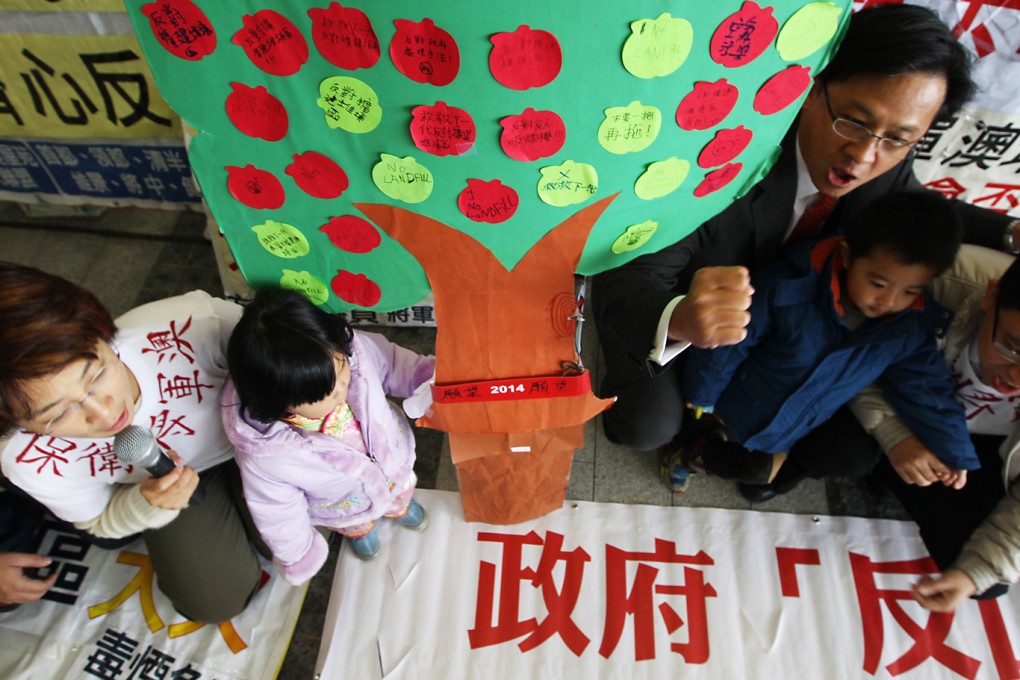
(559, 603)
(929, 640)
(984, 44)
(636, 599)
(645, 590)
(787, 560)
(639, 601)
(1000, 197)
(947, 186)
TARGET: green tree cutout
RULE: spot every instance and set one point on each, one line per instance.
(322, 102)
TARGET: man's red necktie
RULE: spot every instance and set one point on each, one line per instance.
(812, 219)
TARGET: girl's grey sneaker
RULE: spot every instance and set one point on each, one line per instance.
(416, 517)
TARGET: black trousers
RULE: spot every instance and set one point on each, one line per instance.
(947, 517)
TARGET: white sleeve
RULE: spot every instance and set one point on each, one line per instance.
(127, 513)
(665, 350)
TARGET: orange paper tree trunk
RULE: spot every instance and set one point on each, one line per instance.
(512, 457)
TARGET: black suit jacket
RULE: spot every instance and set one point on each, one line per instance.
(628, 301)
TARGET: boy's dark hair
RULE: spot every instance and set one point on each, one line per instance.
(281, 353)
(916, 227)
(889, 40)
(1008, 294)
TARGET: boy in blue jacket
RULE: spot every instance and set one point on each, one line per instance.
(828, 319)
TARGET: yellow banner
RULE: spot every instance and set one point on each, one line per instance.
(80, 86)
(64, 5)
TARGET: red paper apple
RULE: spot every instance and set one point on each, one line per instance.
(782, 89)
(255, 188)
(717, 179)
(532, 135)
(351, 234)
(706, 105)
(357, 289)
(256, 113)
(424, 52)
(725, 146)
(344, 36)
(743, 36)
(490, 201)
(181, 28)
(525, 58)
(272, 42)
(318, 175)
(442, 130)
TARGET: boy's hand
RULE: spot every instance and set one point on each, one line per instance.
(945, 593)
(915, 464)
(956, 479)
(714, 311)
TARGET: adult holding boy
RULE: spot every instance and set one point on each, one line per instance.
(897, 71)
(973, 534)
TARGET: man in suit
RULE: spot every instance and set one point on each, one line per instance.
(898, 70)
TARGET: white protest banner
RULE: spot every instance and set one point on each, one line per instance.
(629, 591)
(105, 618)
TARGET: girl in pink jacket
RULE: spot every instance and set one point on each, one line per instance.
(317, 440)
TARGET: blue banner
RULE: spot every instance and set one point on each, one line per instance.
(105, 172)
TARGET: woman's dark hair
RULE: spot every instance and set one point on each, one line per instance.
(917, 227)
(890, 40)
(282, 351)
(46, 323)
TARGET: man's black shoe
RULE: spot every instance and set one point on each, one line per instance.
(757, 493)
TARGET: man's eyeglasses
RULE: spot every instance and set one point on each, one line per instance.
(855, 132)
(1009, 354)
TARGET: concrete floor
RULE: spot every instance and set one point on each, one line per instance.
(128, 256)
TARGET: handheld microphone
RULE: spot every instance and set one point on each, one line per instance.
(137, 446)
